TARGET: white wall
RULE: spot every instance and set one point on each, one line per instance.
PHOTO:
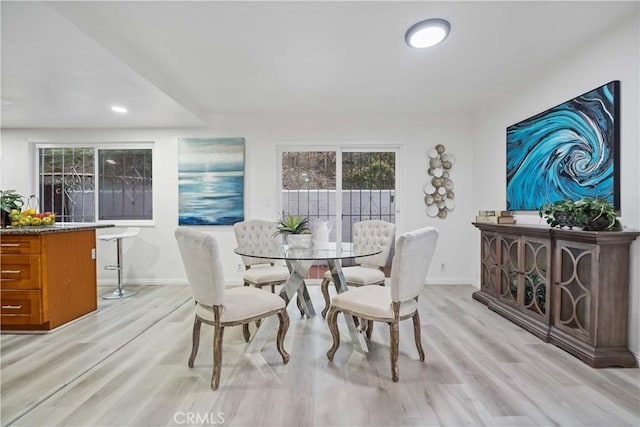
(153, 256)
(612, 56)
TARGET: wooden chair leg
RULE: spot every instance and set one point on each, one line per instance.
(245, 332)
(197, 323)
(332, 321)
(282, 331)
(218, 332)
(324, 287)
(395, 376)
(369, 329)
(416, 335)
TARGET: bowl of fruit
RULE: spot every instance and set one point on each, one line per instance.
(29, 217)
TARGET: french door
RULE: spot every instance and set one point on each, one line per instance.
(340, 186)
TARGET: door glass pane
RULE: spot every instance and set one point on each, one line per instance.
(368, 191)
(309, 189)
(368, 188)
(309, 184)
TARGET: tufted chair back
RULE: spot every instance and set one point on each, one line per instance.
(257, 233)
(374, 232)
(414, 252)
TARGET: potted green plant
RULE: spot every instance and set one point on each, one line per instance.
(558, 214)
(592, 214)
(596, 214)
(9, 201)
(294, 225)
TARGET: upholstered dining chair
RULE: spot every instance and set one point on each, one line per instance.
(368, 270)
(259, 272)
(414, 252)
(222, 307)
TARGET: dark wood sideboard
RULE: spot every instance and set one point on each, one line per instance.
(567, 287)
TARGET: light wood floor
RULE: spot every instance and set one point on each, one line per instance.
(127, 365)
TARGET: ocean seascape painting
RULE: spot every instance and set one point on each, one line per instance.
(210, 181)
(567, 152)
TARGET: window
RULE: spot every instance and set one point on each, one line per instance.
(68, 177)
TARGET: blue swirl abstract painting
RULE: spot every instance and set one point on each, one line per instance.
(567, 152)
(210, 181)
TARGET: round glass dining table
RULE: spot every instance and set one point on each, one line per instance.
(298, 261)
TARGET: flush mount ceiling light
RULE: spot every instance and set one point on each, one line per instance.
(427, 33)
(119, 109)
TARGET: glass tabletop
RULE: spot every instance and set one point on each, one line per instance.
(328, 252)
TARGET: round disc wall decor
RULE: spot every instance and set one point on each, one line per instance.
(439, 189)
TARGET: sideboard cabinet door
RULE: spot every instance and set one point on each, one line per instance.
(490, 263)
(534, 267)
(523, 283)
(575, 281)
(591, 291)
(509, 271)
(489, 267)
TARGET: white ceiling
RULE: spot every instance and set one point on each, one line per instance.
(183, 63)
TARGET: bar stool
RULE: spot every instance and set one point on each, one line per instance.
(129, 232)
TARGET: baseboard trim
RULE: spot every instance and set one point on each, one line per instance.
(164, 282)
(234, 281)
(464, 281)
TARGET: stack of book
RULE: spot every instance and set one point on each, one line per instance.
(495, 217)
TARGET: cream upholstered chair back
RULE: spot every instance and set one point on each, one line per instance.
(374, 232)
(201, 257)
(414, 252)
(257, 233)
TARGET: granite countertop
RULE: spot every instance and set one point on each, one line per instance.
(56, 228)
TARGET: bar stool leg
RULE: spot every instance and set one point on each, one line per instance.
(119, 293)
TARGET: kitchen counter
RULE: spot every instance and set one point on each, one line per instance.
(48, 275)
(56, 228)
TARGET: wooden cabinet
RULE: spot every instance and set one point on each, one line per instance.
(567, 287)
(46, 279)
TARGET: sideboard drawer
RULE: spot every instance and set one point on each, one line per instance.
(21, 307)
(20, 272)
(20, 245)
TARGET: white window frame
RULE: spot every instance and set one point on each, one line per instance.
(100, 146)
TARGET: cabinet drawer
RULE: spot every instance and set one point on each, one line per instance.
(21, 307)
(20, 245)
(20, 272)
